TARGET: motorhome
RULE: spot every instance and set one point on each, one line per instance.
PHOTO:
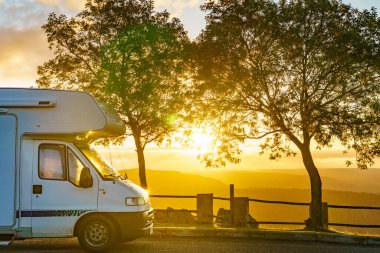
(53, 183)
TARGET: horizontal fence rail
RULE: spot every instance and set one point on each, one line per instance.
(304, 204)
(220, 198)
(279, 203)
(355, 207)
(174, 196)
(177, 210)
(268, 201)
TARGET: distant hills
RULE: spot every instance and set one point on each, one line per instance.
(341, 187)
(345, 179)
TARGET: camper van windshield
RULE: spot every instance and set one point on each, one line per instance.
(99, 163)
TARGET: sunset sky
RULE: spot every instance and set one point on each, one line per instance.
(23, 47)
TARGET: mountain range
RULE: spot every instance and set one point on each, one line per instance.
(340, 187)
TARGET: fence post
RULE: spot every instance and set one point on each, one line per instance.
(241, 211)
(205, 208)
(232, 196)
(325, 216)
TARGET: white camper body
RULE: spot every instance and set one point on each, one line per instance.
(52, 183)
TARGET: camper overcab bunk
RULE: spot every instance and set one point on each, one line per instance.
(53, 183)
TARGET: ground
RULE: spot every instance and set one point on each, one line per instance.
(193, 244)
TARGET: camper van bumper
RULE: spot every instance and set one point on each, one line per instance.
(134, 225)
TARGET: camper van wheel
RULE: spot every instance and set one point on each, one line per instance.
(96, 233)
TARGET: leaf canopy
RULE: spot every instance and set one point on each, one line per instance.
(293, 71)
(124, 52)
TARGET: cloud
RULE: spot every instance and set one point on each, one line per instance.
(179, 3)
(21, 51)
(177, 7)
(75, 4)
(20, 14)
(48, 2)
(23, 44)
(187, 11)
(67, 4)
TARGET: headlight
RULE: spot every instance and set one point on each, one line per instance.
(135, 201)
(147, 200)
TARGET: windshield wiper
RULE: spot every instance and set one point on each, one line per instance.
(113, 175)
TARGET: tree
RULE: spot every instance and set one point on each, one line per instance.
(122, 52)
(297, 73)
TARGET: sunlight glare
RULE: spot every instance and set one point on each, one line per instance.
(202, 141)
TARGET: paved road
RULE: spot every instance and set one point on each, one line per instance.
(192, 245)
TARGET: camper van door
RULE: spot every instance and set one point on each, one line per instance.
(8, 128)
(58, 200)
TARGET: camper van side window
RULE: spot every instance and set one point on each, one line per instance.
(75, 167)
(52, 162)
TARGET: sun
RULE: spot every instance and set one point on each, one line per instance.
(202, 141)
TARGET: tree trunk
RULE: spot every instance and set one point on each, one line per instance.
(142, 173)
(140, 154)
(315, 208)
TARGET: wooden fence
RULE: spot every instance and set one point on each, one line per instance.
(239, 210)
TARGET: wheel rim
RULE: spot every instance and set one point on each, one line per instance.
(96, 234)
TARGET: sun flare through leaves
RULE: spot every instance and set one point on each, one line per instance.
(202, 141)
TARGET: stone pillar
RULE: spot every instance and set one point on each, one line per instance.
(205, 208)
(241, 211)
(325, 216)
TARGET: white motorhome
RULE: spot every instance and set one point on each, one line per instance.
(52, 183)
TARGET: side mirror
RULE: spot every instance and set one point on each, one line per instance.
(85, 180)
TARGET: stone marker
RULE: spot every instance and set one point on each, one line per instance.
(205, 208)
(241, 211)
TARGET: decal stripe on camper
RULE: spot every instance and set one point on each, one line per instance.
(52, 213)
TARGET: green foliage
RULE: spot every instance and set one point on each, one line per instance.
(143, 70)
(122, 52)
(76, 42)
(292, 72)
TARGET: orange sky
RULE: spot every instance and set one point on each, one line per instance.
(23, 44)
(186, 159)
(23, 47)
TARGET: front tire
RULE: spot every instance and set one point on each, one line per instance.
(97, 233)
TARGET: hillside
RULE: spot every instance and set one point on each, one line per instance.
(178, 183)
(268, 185)
(175, 182)
(344, 179)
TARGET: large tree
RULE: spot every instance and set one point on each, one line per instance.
(122, 52)
(298, 73)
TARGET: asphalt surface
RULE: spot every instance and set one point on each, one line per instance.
(192, 245)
